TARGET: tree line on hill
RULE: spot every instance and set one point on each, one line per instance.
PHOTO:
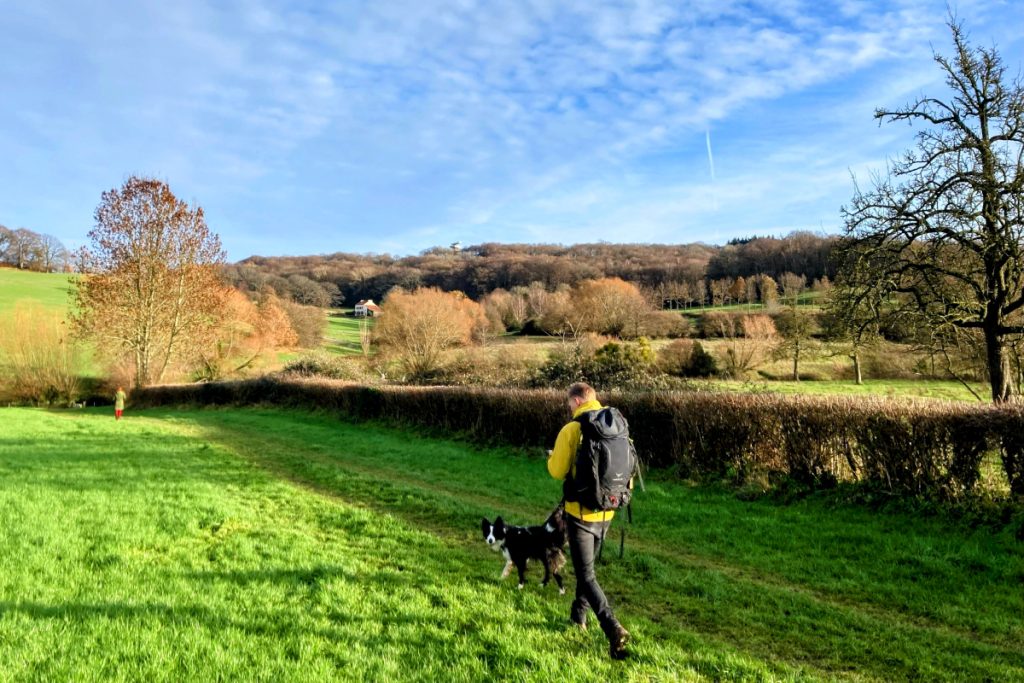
(27, 250)
(680, 274)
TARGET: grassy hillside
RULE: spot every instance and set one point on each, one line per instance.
(50, 290)
(272, 545)
(341, 334)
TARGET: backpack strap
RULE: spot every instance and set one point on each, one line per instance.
(581, 419)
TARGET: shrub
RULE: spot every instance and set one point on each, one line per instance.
(327, 365)
(624, 365)
(756, 346)
(1012, 451)
(514, 365)
(659, 324)
(416, 327)
(719, 325)
(702, 363)
(613, 365)
(674, 358)
(687, 358)
(306, 321)
(40, 361)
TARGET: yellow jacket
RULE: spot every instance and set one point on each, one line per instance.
(562, 460)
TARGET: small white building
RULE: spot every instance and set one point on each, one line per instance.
(366, 307)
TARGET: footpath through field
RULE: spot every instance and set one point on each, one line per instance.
(278, 545)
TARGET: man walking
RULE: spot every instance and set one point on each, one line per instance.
(586, 528)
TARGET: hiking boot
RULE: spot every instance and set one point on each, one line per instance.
(617, 640)
(578, 614)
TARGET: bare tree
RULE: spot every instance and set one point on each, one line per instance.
(719, 290)
(40, 362)
(418, 326)
(940, 238)
(769, 290)
(24, 249)
(365, 336)
(610, 306)
(750, 341)
(795, 328)
(244, 333)
(850, 323)
(154, 290)
(53, 255)
(792, 287)
(6, 240)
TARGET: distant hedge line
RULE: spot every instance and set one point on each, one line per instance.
(929, 449)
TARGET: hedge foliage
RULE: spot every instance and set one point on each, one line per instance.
(927, 449)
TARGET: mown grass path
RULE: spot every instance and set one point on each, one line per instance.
(276, 545)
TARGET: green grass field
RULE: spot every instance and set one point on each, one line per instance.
(49, 290)
(949, 390)
(273, 545)
(808, 301)
(341, 334)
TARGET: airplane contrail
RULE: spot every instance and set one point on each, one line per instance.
(711, 165)
(711, 159)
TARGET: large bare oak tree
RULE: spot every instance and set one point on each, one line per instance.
(939, 238)
(153, 287)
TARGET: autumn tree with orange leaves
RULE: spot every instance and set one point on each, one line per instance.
(416, 327)
(609, 305)
(152, 292)
(246, 331)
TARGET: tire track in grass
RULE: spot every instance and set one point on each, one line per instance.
(853, 612)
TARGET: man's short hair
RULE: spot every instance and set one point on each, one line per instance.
(582, 390)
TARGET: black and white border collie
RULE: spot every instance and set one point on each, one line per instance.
(521, 543)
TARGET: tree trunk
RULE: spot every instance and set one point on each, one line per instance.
(998, 365)
(796, 362)
(856, 368)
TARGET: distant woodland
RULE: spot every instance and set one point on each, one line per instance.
(678, 274)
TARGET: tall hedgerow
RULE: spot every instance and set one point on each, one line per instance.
(923, 449)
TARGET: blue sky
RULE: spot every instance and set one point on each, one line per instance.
(396, 125)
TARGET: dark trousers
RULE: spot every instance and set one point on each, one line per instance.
(584, 545)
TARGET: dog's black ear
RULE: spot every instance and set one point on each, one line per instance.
(498, 524)
(483, 526)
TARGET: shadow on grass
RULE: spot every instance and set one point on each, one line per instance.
(341, 627)
(91, 463)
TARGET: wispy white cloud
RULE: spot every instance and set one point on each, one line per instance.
(492, 119)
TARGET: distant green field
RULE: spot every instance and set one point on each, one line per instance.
(806, 301)
(273, 545)
(341, 333)
(50, 290)
(904, 388)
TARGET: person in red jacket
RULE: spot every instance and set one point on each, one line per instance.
(586, 528)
